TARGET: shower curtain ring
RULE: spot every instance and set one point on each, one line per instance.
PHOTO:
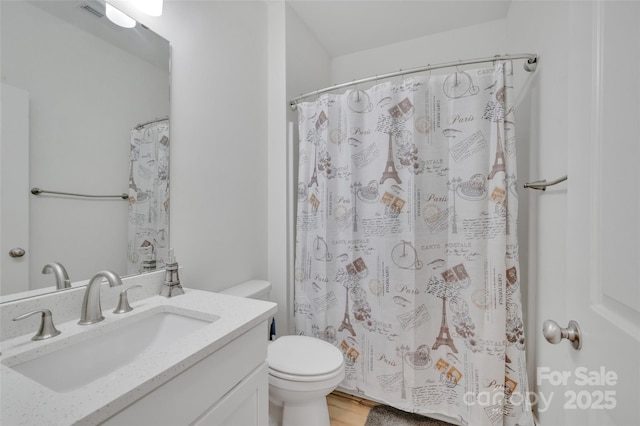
(458, 70)
(455, 75)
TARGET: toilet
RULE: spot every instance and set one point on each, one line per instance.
(303, 370)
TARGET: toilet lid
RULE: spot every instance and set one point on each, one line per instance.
(303, 356)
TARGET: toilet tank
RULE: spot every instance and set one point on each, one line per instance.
(253, 289)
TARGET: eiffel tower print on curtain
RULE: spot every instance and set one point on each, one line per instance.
(444, 336)
(498, 164)
(390, 171)
(314, 177)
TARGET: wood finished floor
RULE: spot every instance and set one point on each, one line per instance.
(347, 410)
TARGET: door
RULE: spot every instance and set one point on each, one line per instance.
(600, 383)
(14, 190)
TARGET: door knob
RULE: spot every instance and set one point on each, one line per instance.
(554, 333)
(17, 252)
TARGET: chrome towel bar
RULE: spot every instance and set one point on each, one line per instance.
(542, 184)
(38, 191)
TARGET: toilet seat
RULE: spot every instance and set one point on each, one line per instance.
(306, 378)
(304, 359)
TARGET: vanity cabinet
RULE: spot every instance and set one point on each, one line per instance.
(228, 387)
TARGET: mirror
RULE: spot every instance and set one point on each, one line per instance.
(80, 86)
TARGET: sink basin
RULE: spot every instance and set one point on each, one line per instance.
(83, 362)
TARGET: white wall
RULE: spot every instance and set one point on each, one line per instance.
(543, 27)
(218, 138)
(66, 71)
(277, 229)
(308, 64)
(476, 41)
(296, 61)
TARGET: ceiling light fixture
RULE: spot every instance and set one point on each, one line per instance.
(119, 18)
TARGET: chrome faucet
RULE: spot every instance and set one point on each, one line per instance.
(91, 310)
(62, 278)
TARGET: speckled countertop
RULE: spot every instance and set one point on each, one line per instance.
(26, 402)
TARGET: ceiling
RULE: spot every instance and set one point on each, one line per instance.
(349, 26)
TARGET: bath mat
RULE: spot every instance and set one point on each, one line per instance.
(383, 415)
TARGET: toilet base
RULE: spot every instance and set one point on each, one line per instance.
(275, 414)
(314, 412)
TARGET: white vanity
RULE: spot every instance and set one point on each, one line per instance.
(197, 359)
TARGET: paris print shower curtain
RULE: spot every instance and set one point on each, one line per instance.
(148, 197)
(406, 249)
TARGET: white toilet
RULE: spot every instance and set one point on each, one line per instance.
(302, 370)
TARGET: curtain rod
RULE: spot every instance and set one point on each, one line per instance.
(157, 120)
(529, 65)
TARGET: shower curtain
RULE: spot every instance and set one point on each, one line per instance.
(406, 250)
(148, 242)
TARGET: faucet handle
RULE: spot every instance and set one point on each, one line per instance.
(123, 304)
(46, 329)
